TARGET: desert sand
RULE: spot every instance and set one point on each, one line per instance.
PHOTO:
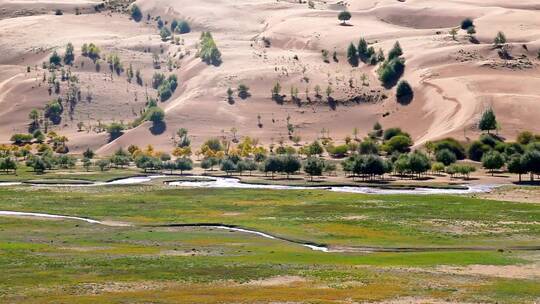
(454, 80)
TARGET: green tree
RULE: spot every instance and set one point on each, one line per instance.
(174, 24)
(103, 164)
(55, 59)
(352, 55)
(373, 165)
(243, 91)
(208, 51)
(156, 115)
(273, 164)
(209, 163)
(488, 121)
(315, 148)
(164, 33)
(34, 119)
(390, 71)
(314, 167)
(88, 153)
(183, 164)
(445, 156)
(183, 27)
(136, 13)
(437, 167)
(362, 49)
(37, 164)
(276, 92)
(8, 164)
(290, 164)
(525, 137)
(115, 130)
(419, 163)
(69, 56)
(228, 166)
(395, 52)
(21, 139)
(515, 166)
(500, 39)
(492, 160)
(466, 23)
(344, 16)
(531, 162)
(476, 150)
(404, 92)
(399, 143)
(368, 146)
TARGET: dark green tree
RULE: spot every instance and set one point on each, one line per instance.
(404, 92)
(466, 23)
(492, 160)
(136, 13)
(314, 167)
(55, 59)
(352, 55)
(344, 16)
(488, 121)
(446, 157)
(516, 166)
(69, 56)
(395, 52)
(531, 162)
(290, 164)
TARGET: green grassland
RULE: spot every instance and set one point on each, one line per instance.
(66, 261)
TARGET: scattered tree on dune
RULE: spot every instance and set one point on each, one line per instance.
(156, 115)
(69, 55)
(466, 23)
(183, 27)
(208, 51)
(243, 91)
(352, 55)
(500, 39)
(395, 52)
(488, 121)
(55, 59)
(344, 16)
(404, 92)
(136, 13)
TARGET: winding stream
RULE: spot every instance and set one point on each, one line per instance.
(46, 215)
(121, 181)
(234, 183)
(312, 246)
(229, 182)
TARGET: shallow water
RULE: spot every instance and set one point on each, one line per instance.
(222, 182)
(91, 221)
(234, 183)
(9, 183)
(122, 181)
(46, 215)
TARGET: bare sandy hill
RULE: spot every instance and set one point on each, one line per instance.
(454, 81)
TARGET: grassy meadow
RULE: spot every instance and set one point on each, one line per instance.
(66, 261)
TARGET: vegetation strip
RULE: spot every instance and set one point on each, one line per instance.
(310, 245)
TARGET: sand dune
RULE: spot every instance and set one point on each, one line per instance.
(454, 81)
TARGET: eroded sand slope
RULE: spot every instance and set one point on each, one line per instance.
(454, 81)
